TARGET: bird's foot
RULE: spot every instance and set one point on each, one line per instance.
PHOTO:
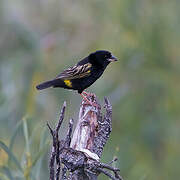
(86, 93)
(87, 100)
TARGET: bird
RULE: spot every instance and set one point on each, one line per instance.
(83, 74)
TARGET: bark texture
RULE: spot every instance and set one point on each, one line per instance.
(78, 155)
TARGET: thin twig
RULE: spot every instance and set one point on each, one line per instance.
(115, 170)
(114, 160)
(106, 173)
(102, 165)
(61, 117)
(58, 168)
(69, 133)
(55, 147)
(52, 156)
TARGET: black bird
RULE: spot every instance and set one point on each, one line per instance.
(83, 74)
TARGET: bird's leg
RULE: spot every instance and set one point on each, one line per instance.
(87, 100)
(86, 93)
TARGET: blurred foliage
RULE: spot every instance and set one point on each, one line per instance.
(39, 38)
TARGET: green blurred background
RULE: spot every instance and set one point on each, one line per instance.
(39, 38)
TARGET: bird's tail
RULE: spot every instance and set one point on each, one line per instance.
(45, 85)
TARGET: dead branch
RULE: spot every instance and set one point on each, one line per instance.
(78, 155)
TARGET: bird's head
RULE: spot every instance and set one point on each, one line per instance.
(102, 58)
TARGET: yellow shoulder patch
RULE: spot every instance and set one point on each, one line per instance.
(68, 83)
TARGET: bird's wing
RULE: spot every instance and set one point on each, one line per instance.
(75, 72)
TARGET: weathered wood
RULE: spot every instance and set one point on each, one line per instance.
(80, 155)
(87, 128)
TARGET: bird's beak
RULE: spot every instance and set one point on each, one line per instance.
(112, 59)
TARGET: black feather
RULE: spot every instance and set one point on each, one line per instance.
(45, 85)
